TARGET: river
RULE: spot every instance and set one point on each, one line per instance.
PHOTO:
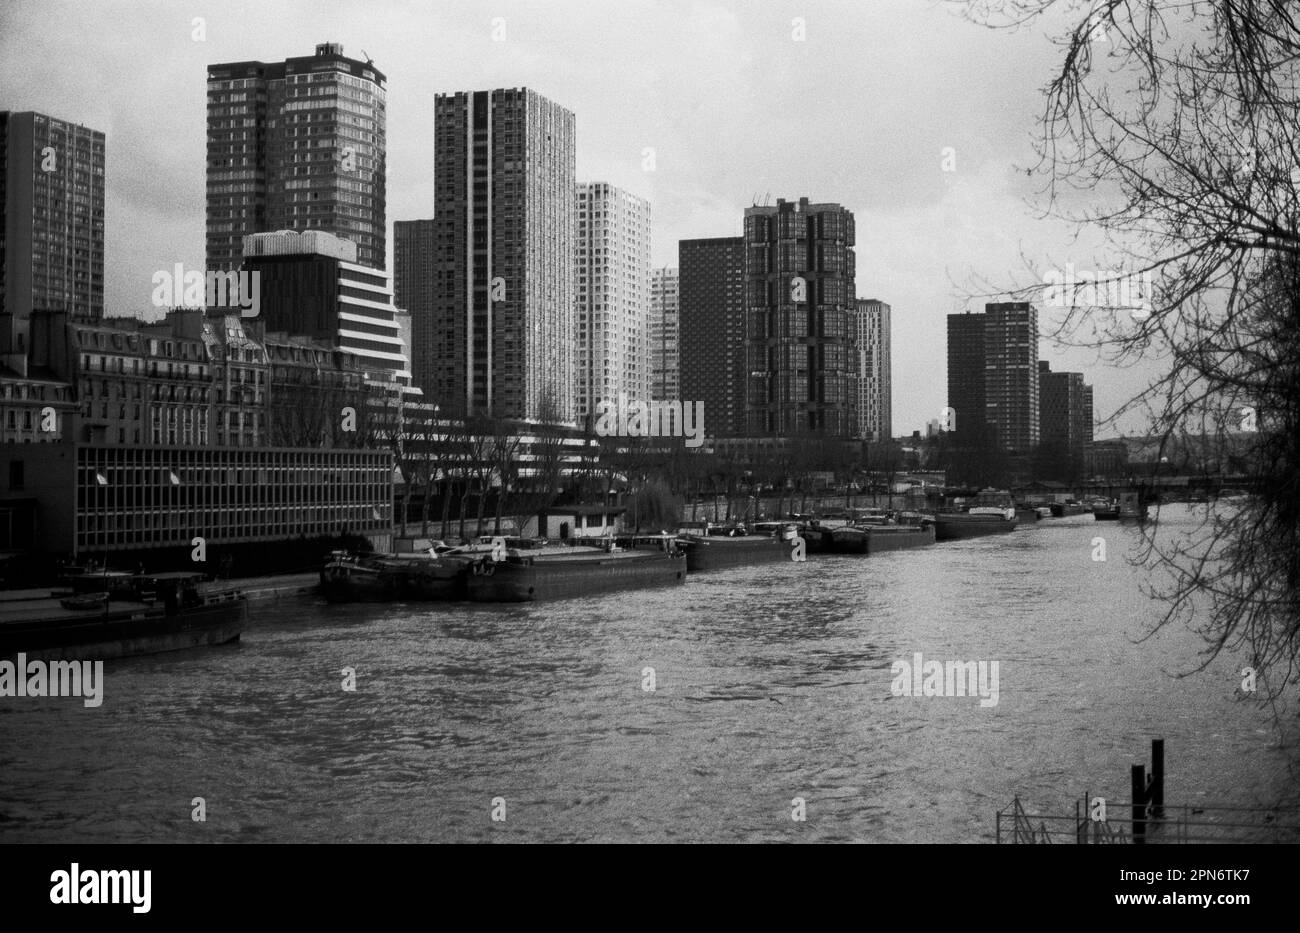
(769, 684)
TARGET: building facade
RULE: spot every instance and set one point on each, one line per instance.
(966, 397)
(51, 225)
(1065, 410)
(1011, 374)
(238, 366)
(311, 285)
(503, 329)
(871, 327)
(312, 388)
(134, 383)
(664, 329)
(799, 304)
(415, 289)
(612, 284)
(296, 145)
(98, 499)
(712, 330)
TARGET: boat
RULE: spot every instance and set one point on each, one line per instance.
(979, 521)
(817, 537)
(86, 601)
(897, 537)
(141, 614)
(849, 539)
(435, 575)
(1068, 507)
(1105, 510)
(1027, 513)
(716, 552)
(546, 573)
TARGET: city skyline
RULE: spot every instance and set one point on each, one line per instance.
(921, 228)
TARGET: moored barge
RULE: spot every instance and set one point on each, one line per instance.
(718, 552)
(899, 537)
(437, 575)
(545, 573)
(979, 521)
(133, 614)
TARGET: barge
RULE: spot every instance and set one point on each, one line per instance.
(717, 552)
(979, 521)
(547, 573)
(899, 537)
(133, 614)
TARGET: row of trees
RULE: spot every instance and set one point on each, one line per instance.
(483, 474)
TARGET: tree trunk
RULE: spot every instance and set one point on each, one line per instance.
(464, 505)
(446, 507)
(482, 508)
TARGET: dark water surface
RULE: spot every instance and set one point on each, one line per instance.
(771, 683)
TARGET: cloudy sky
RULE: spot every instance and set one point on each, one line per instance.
(736, 108)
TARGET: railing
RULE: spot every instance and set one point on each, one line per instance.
(1180, 825)
(1149, 819)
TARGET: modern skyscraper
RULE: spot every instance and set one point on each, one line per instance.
(799, 297)
(712, 330)
(415, 289)
(664, 328)
(504, 213)
(1011, 374)
(965, 375)
(296, 145)
(312, 286)
(612, 275)
(871, 328)
(51, 225)
(1065, 410)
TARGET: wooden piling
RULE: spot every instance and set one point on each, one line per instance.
(1158, 779)
(1139, 789)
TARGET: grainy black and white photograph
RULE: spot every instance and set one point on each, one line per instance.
(664, 421)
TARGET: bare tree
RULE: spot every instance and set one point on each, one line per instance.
(1180, 121)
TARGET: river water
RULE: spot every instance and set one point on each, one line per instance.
(770, 683)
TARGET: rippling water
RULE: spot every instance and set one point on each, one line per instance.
(771, 683)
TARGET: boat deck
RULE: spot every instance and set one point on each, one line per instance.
(49, 610)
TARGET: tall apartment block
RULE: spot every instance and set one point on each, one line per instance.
(799, 304)
(664, 327)
(965, 374)
(51, 226)
(312, 285)
(1065, 409)
(415, 289)
(504, 211)
(612, 282)
(1011, 373)
(712, 330)
(871, 335)
(296, 145)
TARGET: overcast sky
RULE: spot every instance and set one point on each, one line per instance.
(735, 109)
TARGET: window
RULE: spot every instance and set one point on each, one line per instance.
(15, 474)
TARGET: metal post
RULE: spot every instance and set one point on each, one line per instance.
(1139, 804)
(1158, 779)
